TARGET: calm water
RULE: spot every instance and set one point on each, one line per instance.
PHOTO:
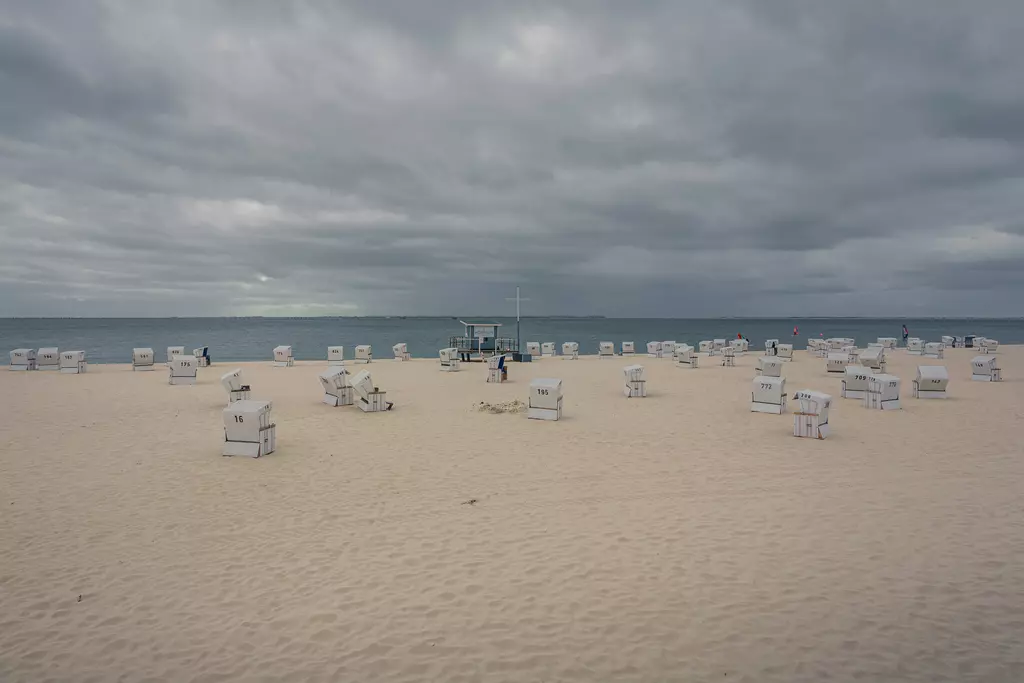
(111, 340)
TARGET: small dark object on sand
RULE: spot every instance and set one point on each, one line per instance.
(471, 501)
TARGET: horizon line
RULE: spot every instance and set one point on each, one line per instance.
(525, 317)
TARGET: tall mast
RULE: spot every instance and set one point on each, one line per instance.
(519, 343)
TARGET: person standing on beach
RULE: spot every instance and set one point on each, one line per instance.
(796, 331)
(906, 334)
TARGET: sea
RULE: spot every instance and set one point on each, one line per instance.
(111, 340)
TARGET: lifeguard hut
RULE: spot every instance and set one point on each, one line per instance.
(481, 340)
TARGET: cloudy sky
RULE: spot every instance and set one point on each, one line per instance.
(684, 158)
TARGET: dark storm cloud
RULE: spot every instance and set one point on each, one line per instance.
(669, 158)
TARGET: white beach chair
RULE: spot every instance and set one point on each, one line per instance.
(931, 381)
(810, 420)
(686, 357)
(768, 395)
(364, 354)
(883, 392)
(887, 342)
(48, 358)
(533, 348)
(771, 347)
(142, 359)
(497, 371)
(785, 352)
(173, 352)
(335, 355)
(606, 349)
(248, 429)
(570, 350)
(872, 358)
(768, 366)
(836, 361)
(728, 356)
(986, 369)
(915, 346)
(668, 349)
(73, 362)
(182, 370)
(23, 359)
(449, 359)
(947, 341)
(706, 346)
(654, 349)
(855, 382)
(719, 344)
(545, 399)
(836, 343)
(234, 383)
(547, 350)
(401, 351)
(202, 356)
(337, 390)
(628, 348)
(636, 386)
(933, 350)
(741, 346)
(989, 346)
(283, 357)
(369, 398)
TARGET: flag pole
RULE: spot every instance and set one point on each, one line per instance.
(519, 341)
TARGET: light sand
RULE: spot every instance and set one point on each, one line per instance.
(677, 537)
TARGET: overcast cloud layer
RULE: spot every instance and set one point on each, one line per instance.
(682, 158)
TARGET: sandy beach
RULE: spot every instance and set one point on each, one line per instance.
(676, 537)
